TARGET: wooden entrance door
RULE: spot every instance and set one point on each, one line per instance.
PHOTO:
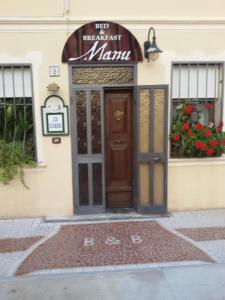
(118, 128)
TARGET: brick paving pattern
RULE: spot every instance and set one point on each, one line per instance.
(204, 234)
(21, 244)
(110, 244)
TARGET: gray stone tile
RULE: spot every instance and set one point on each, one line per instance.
(216, 249)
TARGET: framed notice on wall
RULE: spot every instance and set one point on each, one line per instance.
(54, 116)
(55, 123)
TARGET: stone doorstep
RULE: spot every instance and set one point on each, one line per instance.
(103, 217)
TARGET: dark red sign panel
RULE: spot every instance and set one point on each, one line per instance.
(101, 41)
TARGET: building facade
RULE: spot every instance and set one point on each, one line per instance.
(96, 113)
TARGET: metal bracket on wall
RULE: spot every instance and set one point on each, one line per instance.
(66, 6)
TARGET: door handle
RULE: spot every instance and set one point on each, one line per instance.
(118, 141)
(156, 158)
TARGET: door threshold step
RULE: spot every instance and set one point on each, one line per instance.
(103, 217)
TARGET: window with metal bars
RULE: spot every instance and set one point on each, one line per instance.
(16, 109)
(202, 85)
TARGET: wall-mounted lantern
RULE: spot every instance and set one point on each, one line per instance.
(151, 49)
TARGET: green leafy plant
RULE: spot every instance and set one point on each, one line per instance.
(16, 139)
(13, 121)
(190, 139)
(13, 159)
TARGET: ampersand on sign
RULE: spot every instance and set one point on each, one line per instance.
(111, 240)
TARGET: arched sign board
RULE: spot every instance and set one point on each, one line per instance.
(101, 42)
(54, 116)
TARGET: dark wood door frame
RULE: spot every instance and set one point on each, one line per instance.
(131, 205)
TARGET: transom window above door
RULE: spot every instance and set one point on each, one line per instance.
(114, 75)
(202, 85)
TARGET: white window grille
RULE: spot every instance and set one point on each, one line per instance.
(16, 107)
(201, 84)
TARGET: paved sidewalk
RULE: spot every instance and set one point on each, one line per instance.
(36, 247)
(178, 283)
(11, 234)
(112, 244)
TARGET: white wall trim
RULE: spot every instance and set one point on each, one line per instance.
(68, 24)
(190, 162)
(74, 20)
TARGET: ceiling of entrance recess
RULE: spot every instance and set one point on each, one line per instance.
(101, 9)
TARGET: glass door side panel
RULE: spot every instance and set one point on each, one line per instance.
(97, 183)
(83, 184)
(144, 183)
(81, 110)
(144, 121)
(96, 122)
(158, 197)
(159, 125)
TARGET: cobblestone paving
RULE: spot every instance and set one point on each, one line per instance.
(111, 244)
(22, 244)
(20, 229)
(212, 219)
(204, 234)
(210, 244)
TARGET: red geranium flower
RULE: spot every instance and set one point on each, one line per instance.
(221, 124)
(188, 109)
(190, 133)
(204, 147)
(207, 133)
(199, 126)
(176, 137)
(218, 129)
(213, 143)
(199, 145)
(209, 152)
(185, 126)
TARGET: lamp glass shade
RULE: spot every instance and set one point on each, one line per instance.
(153, 51)
(153, 55)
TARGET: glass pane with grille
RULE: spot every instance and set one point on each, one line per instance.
(97, 183)
(144, 182)
(96, 122)
(159, 110)
(83, 184)
(158, 196)
(144, 121)
(103, 75)
(81, 109)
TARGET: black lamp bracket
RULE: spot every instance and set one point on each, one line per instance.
(147, 44)
(151, 29)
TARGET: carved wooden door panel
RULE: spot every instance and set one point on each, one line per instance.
(118, 149)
